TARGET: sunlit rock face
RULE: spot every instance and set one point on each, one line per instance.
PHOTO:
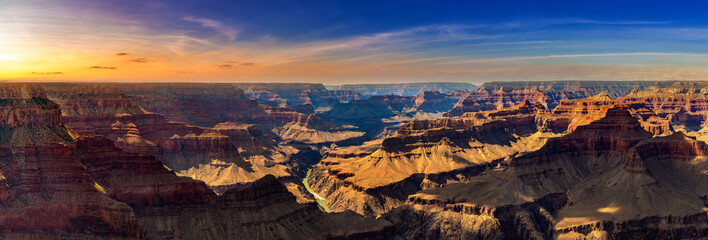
(606, 179)
(378, 176)
(683, 104)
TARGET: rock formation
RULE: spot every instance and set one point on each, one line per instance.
(47, 192)
(684, 104)
(607, 179)
(172, 207)
(294, 94)
(57, 184)
(312, 130)
(380, 116)
(498, 95)
(446, 149)
(210, 155)
(425, 154)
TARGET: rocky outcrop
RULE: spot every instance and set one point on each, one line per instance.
(47, 191)
(294, 94)
(312, 130)
(498, 95)
(571, 114)
(607, 179)
(405, 89)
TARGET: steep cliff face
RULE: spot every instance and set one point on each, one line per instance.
(497, 95)
(293, 94)
(607, 179)
(584, 111)
(405, 89)
(425, 154)
(48, 192)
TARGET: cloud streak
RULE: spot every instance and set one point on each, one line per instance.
(102, 67)
(140, 60)
(47, 73)
(215, 25)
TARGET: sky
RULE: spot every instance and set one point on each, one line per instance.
(337, 42)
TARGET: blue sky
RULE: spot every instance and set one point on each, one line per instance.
(352, 41)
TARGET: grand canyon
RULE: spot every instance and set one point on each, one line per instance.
(353, 120)
(505, 160)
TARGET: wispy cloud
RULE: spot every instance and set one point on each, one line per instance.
(225, 66)
(140, 60)
(47, 73)
(122, 54)
(505, 59)
(217, 26)
(102, 67)
(617, 22)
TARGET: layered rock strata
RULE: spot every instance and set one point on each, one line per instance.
(608, 179)
(425, 154)
(294, 94)
(498, 95)
(47, 192)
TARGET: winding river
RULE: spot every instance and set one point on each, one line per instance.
(320, 199)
